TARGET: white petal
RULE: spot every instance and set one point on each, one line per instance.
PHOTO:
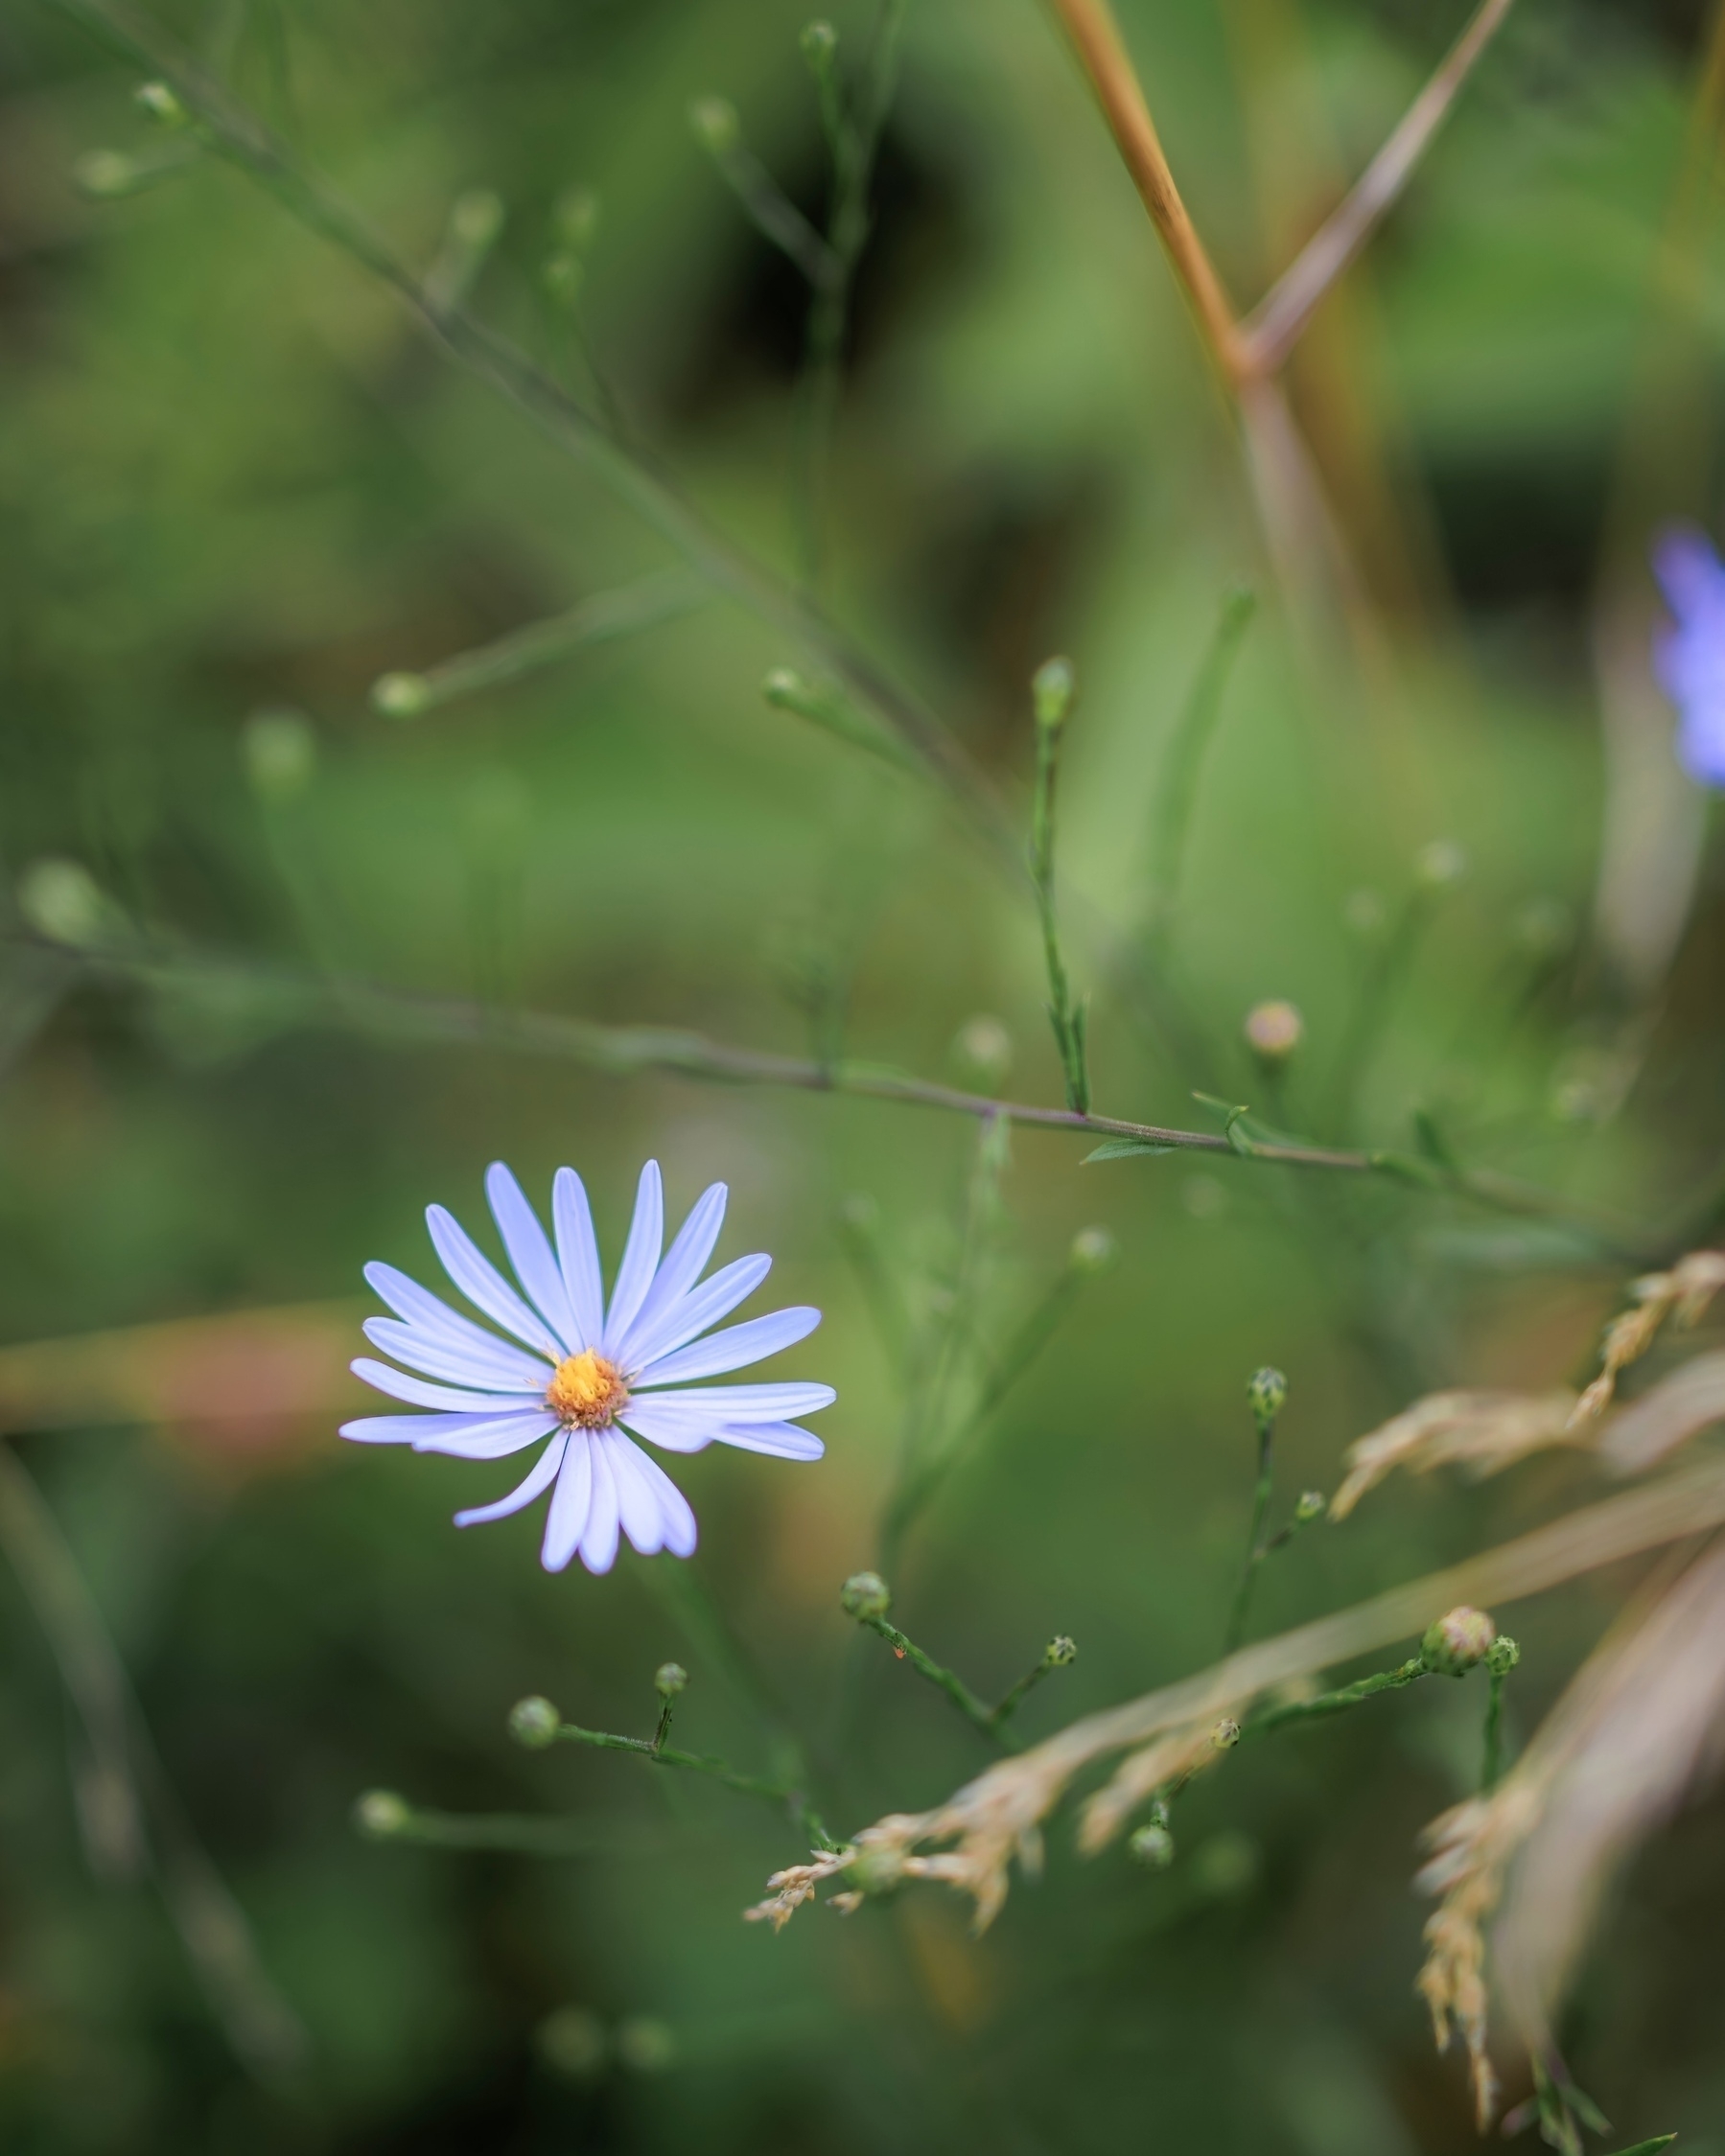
(504, 1369)
(712, 1300)
(579, 1255)
(637, 1499)
(684, 1263)
(530, 1253)
(437, 1321)
(782, 1439)
(539, 1477)
(734, 1349)
(399, 1386)
(673, 1428)
(566, 1519)
(750, 1404)
(640, 1257)
(599, 1541)
(674, 1513)
(483, 1285)
(471, 1437)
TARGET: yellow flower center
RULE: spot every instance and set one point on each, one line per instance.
(585, 1391)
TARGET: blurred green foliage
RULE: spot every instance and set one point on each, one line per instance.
(240, 488)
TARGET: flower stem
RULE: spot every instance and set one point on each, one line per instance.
(1254, 1549)
(774, 1793)
(944, 1679)
(1493, 1765)
(1337, 1701)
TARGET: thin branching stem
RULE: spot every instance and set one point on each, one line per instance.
(1254, 1546)
(1337, 1701)
(777, 1793)
(946, 1680)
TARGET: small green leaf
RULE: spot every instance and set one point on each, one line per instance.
(1124, 1149)
(1433, 1144)
(1408, 1169)
(1647, 2147)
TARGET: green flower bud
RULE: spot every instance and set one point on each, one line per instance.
(1059, 1651)
(1273, 1033)
(1365, 915)
(1441, 864)
(572, 2042)
(63, 902)
(476, 219)
(1093, 1251)
(534, 1723)
(380, 1814)
(1267, 1392)
(982, 1052)
(578, 218)
(162, 105)
(280, 753)
(715, 123)
(670, 1678)
(1311, 1505)
(399, 695)
(1503, 1655)
(105, 173)
(1457, 1640)
(818, 42)
(1152, 1845)
(1052, 688)
(1227, 1733)
(646, 2045)
(865, 1594)
(563, 275)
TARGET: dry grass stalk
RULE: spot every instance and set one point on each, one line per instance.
(1641, 1436)
(1173, 1758)
(1486, 1431)
(1681, 1295)
(999, 1815)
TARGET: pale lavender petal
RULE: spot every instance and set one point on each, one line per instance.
(671, 1425)
(539, 1477)
(734, 1349)
(437, 1321)
(782, 1439)
(505, 1369)
(636, 1499)
(674, 1510)
(599, 1541)
(683, 1266)
(750, 1404)
(566, 1517)
(493, 1435)
(483, 1285)
(712, 1300)
(530, 1253)
(640, 1257)
(415, 1389)
(579, 1255)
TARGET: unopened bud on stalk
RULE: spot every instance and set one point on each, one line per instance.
(280, 753)
(1456, 1642)
(1503, 1655)
(162, 105)
(1273, 1033)
(1227, 1733)
(1093, 1251)
(670, 1678)
(1152, 1845)
(62, 901)
(646, 2045)
(715, 123)
(399, 695)
(1052, 688)
(1267, 1392)
(534, 1723)
(380, 1814)
(818, 42)
(1059, 1651)
(577, 218)
(1309, 1505)
(982, 1052)
(105, 173)
(476, 219)
(865, 1594)
(1440, 863)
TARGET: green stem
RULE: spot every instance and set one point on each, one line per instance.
(1493, 1765)
(944, 1679)
(1339, 1701)
(1254, 1552)
(786, 1793)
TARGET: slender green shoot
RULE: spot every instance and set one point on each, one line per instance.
(1060, 1653)
(1051, 692)
(1267, 1392)
(382, 1816)
(718, 130)
(1501, 1658)
(1346, 1696)
(1182, 764)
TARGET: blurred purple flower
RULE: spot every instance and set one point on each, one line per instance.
(1689, 651)
(588, 1379)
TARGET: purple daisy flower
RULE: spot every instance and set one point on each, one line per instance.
(586, 1378)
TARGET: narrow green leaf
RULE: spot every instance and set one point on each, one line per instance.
(1124, 1149)
(1647, 2147)
(1433, 1143)
(1409, 1170)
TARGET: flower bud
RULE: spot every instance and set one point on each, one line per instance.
(399, 695)
(670, 1678)
(106, 174)
(1457, 1640)
(1059, 1651)
(646, 2045)
(280, 753)
(62, 901)
(1440, 863)
(818, 42)
(1273, 1033)
(1309, 1505)
(1227, 1733)
(715, 123)
(572, 2042)
(1365, 915)
(563, 274)
(162, 105)
(982, 1052)
(865, 1594)
(1052, 688)
(578, 218)
(1093, 1251)
(1503, 1655)
(534, 1723)
(1152, 1845)
(476, 219)
(1267, 1392)
(380, 1814)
